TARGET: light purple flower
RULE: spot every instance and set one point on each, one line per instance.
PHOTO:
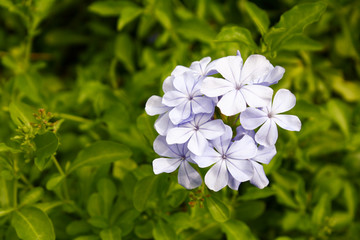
(186, 99)
(200, 69)
(231, 164)
(196, 133)
(269, 116)
(240, 132)
(237, 88)
(176, 156)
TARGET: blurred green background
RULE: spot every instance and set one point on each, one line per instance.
(93, 65)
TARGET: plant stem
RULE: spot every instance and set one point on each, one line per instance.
(15, 187)
(66, 190)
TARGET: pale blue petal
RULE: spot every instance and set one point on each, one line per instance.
(197, 143)
(230, 68)
(267, 134)
(288, 122)
(163, 124)
(265, 154)
(179, 70)
(252, 118)
(154, 106)
(180, 113)
(241, 170)
(212, 129)
(232, 103)
(222, 143)
(185, 83)
(162, 148)
(174, 98)
(179, 135)
(188, 177)
(217, 177)
(200, 119)
(214, 87)
(168, 84)
(272, 77)
(208, 158)
(257, 95)
(165, 165)
(245, 148)
(259, 179)
(284, 100)
(241, 131)
(202, 105)
(233, 183)
(200, 66)
(255, 67)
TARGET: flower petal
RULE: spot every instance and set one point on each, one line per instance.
(154, 106)
(233, 183)
(179, 135)
(241, 132)
(265, 154)
(208, 158)
(288, 122)
(245, 148)
(259, 179)
(202, 104)
(200, 119)
(267, 134)
(179, 70)
(241, 170)
(212, 129)
(257, 95)
(284, 100)
(167, 165)
(197, 143)
(252, 118)
(185, 83)
(200, 66)
(174, 98)
(273, 77)
(222, 143)
(162, 148)
(217, 177)
(214, 87)
(232, 103)
(180, 113)
(163, 124)
(168, 84)
(230, 68)
(188, 177)
(255, 67)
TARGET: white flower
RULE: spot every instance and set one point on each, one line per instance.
(267, 135)
(153, 107)
(231, 161)
(241, 85)
(263, 155)
(200, 69)
(176, 156)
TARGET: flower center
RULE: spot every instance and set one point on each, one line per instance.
(224, 157)
(196, 128)
(270, 115)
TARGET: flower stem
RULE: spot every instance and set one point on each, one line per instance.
(66, 190)
(73, 118)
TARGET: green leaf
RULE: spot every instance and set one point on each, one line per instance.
(301, 43)
(163, 13)
(32, 196)
(111, 234)
(5, 211)
(109, 8)
(31, 223)
(196, 29)
(259, 17)
(128, 14)
(293, 22)
(145, 230)
(46, 146)
(124, 51)
(321, 210)
(95, 205)
(145, 124)
(237, 230)
(21, 114)
(340, 113)
(163, 231)
(54, 181)
(218, 210)
(236, 34)
(107, 191)
(98, 153)
(77, 228)
(29, 86)
(142, 192)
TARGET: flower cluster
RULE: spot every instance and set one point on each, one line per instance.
(191, 123)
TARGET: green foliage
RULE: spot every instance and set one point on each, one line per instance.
(76, 145)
